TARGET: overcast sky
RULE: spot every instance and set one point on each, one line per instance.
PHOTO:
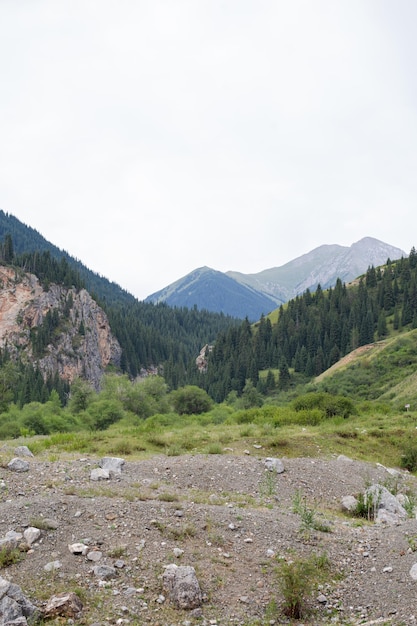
(148, 138)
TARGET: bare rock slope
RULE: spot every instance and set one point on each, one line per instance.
(24, 306)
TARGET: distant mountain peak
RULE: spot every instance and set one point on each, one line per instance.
(250, 295)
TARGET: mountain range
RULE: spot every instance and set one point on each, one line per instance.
(251, 295)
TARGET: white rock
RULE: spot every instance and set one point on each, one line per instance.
(31, 535)
(274, 465)
(78, 548)
(413, 571)
(99, 474)
(94, 555)
(23, 451)
(52, 565)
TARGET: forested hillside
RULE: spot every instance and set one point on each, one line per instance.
(314, 330)
(150, 335)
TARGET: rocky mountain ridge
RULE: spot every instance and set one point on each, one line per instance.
(250, 295)
(75, 330)
(322, 266)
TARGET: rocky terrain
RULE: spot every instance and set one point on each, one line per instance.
(24, 305)
(109, 537)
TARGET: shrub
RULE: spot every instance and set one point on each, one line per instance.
(409, 458)
(297, 579)
(191, 400)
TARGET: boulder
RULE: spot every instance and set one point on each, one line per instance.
(66, 604)
(23, 451)
(104, 572)
(99, 474)
(181, 586)
(18, 465)
(385, 506)
(113, 465)
(274, 465)
(15, 608)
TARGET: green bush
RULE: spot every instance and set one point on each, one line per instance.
(331, 405)
(191, 400)
(409, 458)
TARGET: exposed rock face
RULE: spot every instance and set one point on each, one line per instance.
(82, 343)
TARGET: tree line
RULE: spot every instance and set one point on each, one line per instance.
(314, 330)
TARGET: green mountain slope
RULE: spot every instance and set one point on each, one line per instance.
(150, 335)
(384, 371)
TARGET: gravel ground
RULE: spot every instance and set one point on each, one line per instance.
(225, 515)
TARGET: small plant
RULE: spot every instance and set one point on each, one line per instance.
(308, 515)
(367, 505)
(183, 532)
(214, 448)
(296, 581)
(409, 458)
(168, 497)
(412, 543)
(42, 523)
(268, 485)
(117, 552)
(9, 556)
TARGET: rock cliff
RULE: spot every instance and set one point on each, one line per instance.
(60, 330)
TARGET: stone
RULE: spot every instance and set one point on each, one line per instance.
(344, 459)
(386, 507)
(274, 465)
(113, 465)
(321, 598)
(413, 571)
(23, 451)
(78, 548)
(66, 604)
(104, 572)
(94, 555)
(31, 535)
(52, 566)
(181, 586)
(15, 608)
(99, 474)
(18, 465)
(349, 503)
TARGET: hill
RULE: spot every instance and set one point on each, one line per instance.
(251, 295)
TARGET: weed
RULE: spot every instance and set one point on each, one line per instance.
(183, 532)
(117, 552)
(9, 555)
(308, 515)
(297, 579)
(214, 448)
(168, 497)
(409, 458)
(367, 505)
(268, 484)
(175, 450)
(42, 523)
(412, 543)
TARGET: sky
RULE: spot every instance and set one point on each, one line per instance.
(148, 138)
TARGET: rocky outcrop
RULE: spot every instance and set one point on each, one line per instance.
(81, 344)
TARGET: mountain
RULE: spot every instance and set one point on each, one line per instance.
(215, 291)
(322, 266)
(250, 295)
(149, 335)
